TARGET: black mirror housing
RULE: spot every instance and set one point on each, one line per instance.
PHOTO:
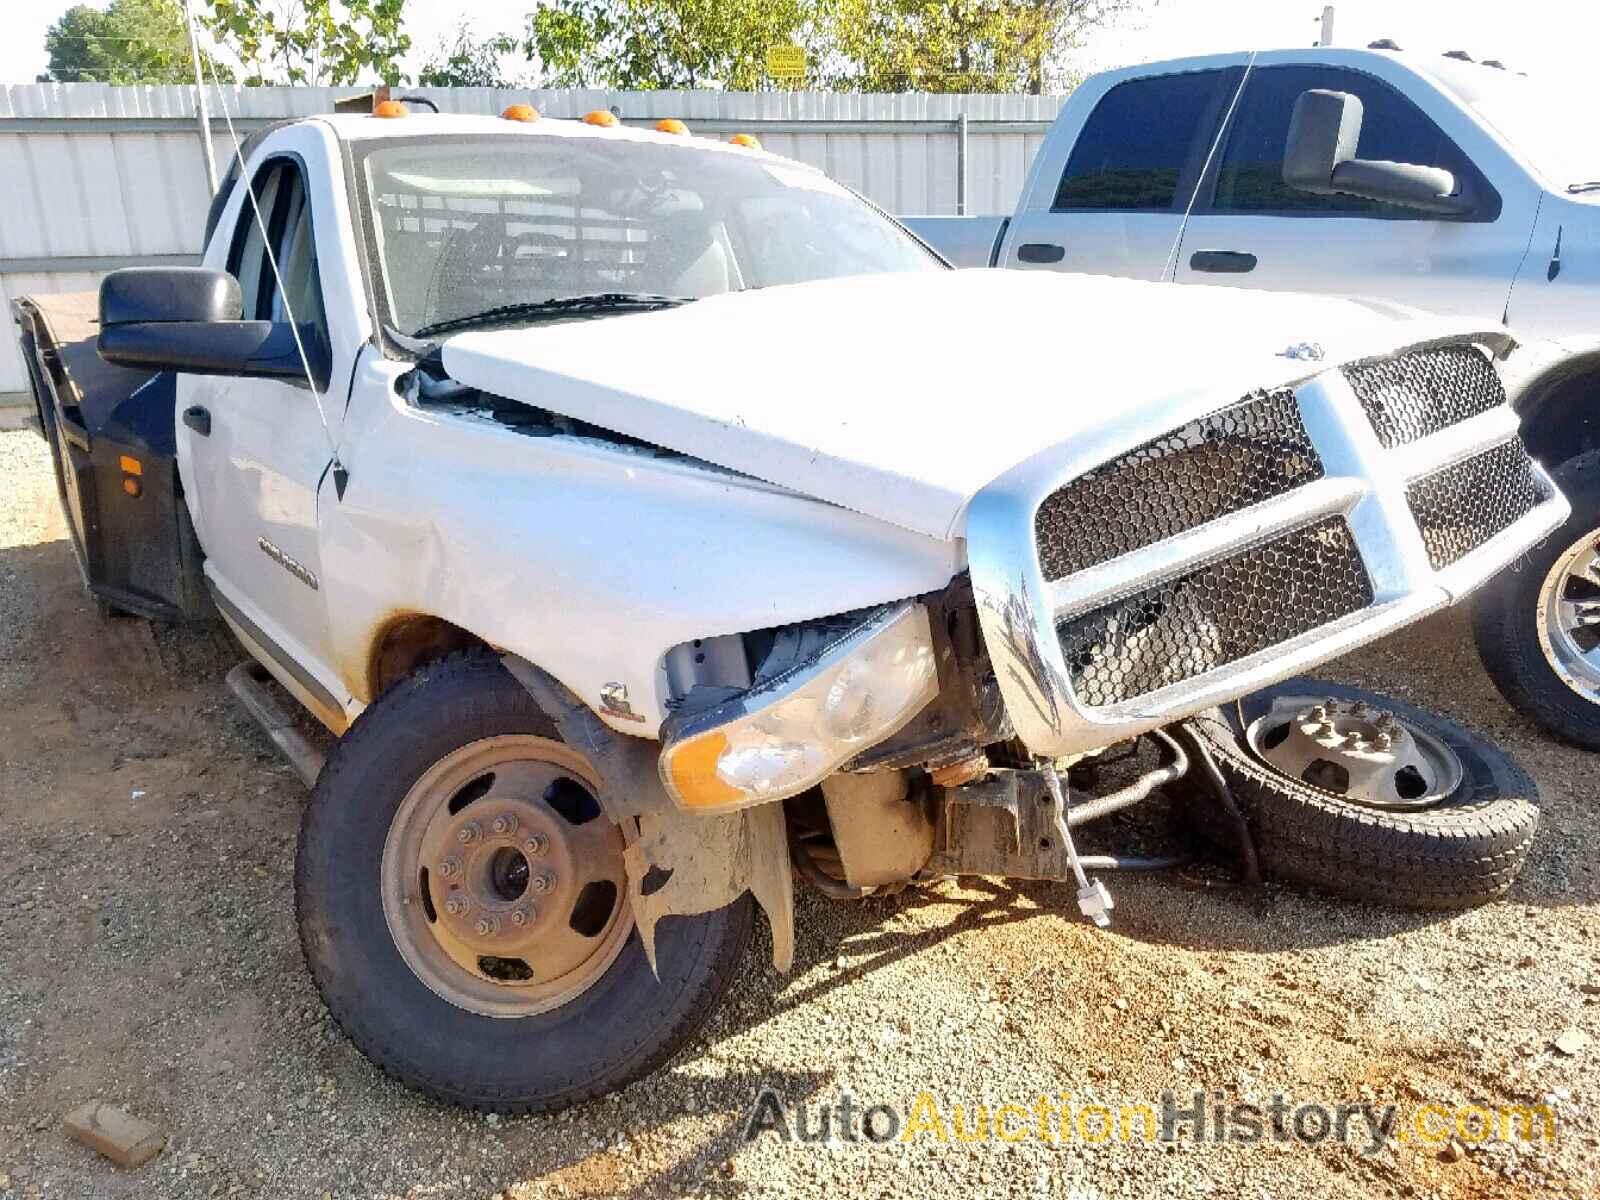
(1319, 158)
(151, 294)
(187, 319)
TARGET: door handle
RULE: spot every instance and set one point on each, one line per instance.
(1040, 252)
(1223, 262)
(198, 419)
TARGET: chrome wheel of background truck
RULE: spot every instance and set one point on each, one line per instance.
(1537, 625)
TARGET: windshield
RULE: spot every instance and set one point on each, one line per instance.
(1549, 123)
(460, 226)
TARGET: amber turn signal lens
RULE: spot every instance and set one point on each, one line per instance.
(131, 466)
(521, 112)
(746, 139)
(130, 485)
(671, 125)
(600, 116)
(693, 767)
(389, 108)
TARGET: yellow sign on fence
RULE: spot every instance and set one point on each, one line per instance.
(786, 62)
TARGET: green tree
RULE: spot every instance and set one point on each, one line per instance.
(464, 60)
(312, 41)
(648, 44)
(131, 41)
(961, 45)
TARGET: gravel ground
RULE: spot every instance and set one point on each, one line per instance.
(148, 957)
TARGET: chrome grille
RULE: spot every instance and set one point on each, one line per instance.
(1461, 507)
(1218, 614)
(1412, 395)
(1221, 463)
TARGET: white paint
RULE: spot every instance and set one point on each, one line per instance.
(902, 395)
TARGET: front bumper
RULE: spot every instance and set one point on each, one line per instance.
(1415, 519)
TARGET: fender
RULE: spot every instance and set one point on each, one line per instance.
(678, 863)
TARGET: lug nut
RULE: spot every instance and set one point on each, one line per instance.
(542, 882)
(521, 917)
(505, 823)
(487, 926)
(450, 867)
(469, 833)
(457, 905)
(537, 843)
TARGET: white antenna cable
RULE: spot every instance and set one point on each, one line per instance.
(272, 262)
(1170, 271)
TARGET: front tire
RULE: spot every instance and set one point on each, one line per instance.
(1538, 626)
(464, 913)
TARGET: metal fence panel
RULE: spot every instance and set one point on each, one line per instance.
(92, 176)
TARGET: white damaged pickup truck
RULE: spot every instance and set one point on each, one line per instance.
(655, 522)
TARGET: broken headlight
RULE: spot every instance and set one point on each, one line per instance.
(792, 731)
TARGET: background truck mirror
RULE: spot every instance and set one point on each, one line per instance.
(1323, 132)
(1319, 157)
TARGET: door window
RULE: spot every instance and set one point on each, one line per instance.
(1393, 129)
(285, 225)
(1143, 137)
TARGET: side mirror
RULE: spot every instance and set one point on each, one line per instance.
(187, 319)
(1319, 158)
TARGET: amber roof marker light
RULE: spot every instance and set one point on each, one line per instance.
(601, 117)
(747, 140)
(389, 109)
(520, 112)
(671, 125)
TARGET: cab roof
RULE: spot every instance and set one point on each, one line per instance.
(363, 127)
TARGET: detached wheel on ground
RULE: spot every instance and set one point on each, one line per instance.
(1364, 796)
(463, 905)
(1538, 625)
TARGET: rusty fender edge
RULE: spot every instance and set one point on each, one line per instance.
(703, 862)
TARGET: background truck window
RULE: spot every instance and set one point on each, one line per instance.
(1138, 141)
(1393, 129)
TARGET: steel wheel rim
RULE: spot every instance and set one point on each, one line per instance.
(1569, 616)
(506, 906)
(1443, 763)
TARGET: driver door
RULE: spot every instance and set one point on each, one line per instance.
(255, 454)
(1255, 231)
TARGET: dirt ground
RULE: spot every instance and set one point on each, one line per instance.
(148, 957)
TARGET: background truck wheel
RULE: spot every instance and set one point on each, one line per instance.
(463, 906)
(1446, 821)
(1538, 626)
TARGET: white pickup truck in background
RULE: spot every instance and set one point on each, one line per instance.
(1441, 184)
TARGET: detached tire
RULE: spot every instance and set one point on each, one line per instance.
(458, 896)
(1462, 851)
(1536, 668)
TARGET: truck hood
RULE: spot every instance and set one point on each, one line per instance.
(901, 396)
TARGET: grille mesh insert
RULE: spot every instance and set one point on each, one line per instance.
(1413, 395)
(1221, 463)
(1461, 507)
(1215, 615)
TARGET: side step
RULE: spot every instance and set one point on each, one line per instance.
(250, 682)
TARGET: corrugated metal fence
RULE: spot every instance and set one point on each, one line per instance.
(95, 177)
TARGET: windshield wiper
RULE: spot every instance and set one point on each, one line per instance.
(1592, 186)
(558, 306)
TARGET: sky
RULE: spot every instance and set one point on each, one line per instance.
(1546, 37)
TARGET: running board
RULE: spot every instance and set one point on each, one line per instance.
(250, 682)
